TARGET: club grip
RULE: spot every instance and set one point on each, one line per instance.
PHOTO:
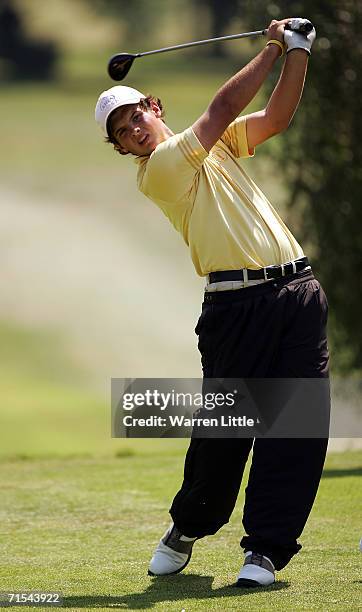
(304, 26)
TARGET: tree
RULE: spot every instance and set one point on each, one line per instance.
(140, 20)
(220, 14)
(24, 57)
(322, 160)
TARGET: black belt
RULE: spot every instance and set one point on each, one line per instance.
(268, 273)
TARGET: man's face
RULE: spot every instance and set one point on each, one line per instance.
(137, 131)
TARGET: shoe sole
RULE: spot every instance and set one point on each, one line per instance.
(173, 573)
(246, 583)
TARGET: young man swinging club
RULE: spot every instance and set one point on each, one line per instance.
(256, 321)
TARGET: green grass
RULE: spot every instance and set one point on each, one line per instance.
(87, 526)
(48, 405)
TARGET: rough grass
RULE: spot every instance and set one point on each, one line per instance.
(87, 526)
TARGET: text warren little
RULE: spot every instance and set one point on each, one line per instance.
(183, 421)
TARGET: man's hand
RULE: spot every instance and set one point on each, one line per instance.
(275, 31)
(296, 40)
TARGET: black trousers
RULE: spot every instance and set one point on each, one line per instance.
(272, 330)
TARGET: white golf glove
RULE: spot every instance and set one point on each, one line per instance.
(296, 40)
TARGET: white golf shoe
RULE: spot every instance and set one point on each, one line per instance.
(172, 553)
(257, 571)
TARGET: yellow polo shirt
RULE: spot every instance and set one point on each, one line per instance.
(224, 218)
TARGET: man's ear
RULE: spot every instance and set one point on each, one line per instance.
(117, 147)
(155, 109)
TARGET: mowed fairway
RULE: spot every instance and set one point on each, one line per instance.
(86, 527)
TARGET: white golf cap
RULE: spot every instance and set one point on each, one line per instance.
(113, 98)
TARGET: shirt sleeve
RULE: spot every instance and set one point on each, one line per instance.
(173, 168)
(235, 138)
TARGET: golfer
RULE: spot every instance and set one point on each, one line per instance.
(264, 314)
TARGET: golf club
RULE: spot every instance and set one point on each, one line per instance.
(119, 65)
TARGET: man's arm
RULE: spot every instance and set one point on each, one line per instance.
(283, 102)
(236, 94)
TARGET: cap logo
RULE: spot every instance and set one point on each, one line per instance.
(106, 101)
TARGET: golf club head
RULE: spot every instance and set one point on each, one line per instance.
(119, 65)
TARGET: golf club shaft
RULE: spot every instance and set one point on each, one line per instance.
(119, 65)
(198, 43)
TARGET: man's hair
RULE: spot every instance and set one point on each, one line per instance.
(145, 104)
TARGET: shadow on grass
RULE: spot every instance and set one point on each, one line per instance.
(172, 588)
(338, 473)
